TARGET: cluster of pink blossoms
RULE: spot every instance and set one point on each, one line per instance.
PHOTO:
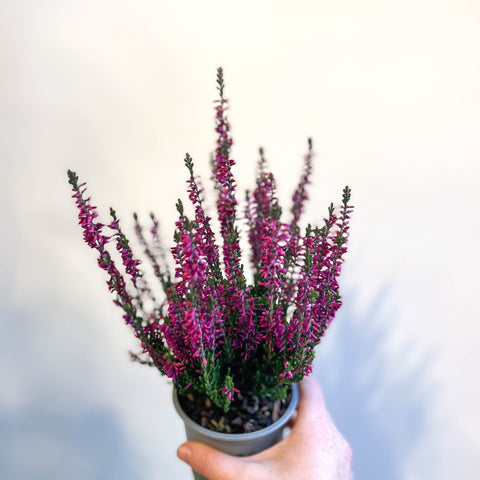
(213, 332)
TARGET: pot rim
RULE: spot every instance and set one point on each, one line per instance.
(233, 437)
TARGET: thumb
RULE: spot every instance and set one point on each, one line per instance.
(212, 463)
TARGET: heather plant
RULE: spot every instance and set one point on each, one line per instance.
(213, 332)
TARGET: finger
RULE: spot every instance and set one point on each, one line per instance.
(291, 421)
(311, 406)
(211, 463)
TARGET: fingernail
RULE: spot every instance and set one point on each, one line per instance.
(184, 453)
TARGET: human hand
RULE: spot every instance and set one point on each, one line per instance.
(314, 450)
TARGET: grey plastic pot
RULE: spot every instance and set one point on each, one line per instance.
(238, 444)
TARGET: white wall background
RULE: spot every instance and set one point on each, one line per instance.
(119, 91)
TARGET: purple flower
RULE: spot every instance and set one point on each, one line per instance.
(300, 195)
(213, 332)
(226, 186)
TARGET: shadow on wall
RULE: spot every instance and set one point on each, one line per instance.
(377, 402)
(42, 437)
(47, 445)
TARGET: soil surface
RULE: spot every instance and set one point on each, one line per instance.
(246, 414)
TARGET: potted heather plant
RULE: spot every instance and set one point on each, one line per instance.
(234, 348)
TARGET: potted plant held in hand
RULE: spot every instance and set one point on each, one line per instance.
(234, 348)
